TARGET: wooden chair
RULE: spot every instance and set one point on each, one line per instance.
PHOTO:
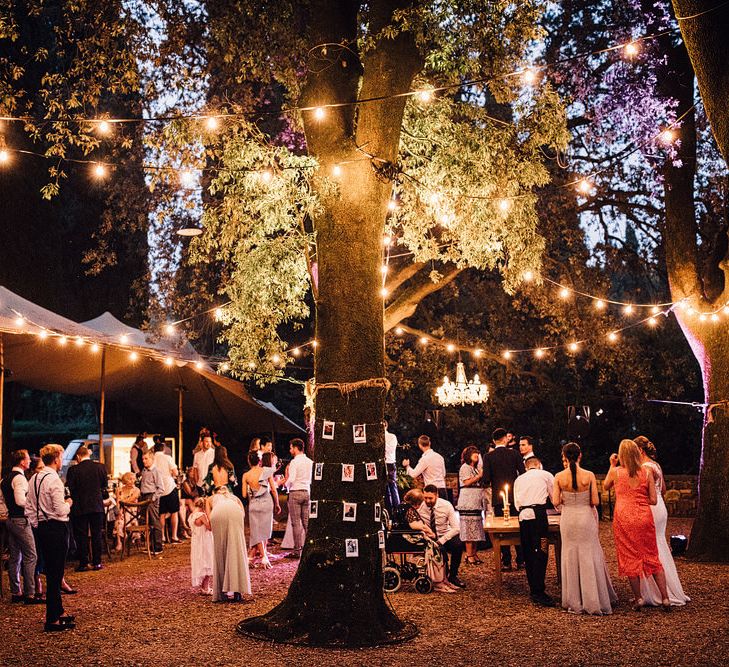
(136, 521)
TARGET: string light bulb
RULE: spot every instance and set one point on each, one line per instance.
(320, 113)
(584, 187)
(387, 240)
(384, 292)
(652, 321)
(451, 347)
(95, 347)
(276, 359)
(714, 317)
(425, 96)
(399, 331)
(574, 346)
(4, 156)
(99, 170)
(612, 336)
(384, 269)
(133, 356)
(529, 77)
(667, 136)
(528, 276)
(62, 340)
(504, 205)
(631, 49)
(42, 334)
(212, 123)
(600, 304)
(19, 321)
(218, 313)
(336, 171)
(170, 329)
(702, 317)
(124, 338)
(725, 310)
(423, 340)
(103, 127)
(266, 176)
(564, 293)
(296, 351)
(187, 178)
(655, 310)
(539, 353)
(199, 365)
(79, 342)
(169, 361)
(478, 352)
(506, 354)
(315, 343)
(224, 367)
(628, 309)
(392, 205)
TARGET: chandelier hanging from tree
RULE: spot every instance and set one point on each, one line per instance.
(462, 391)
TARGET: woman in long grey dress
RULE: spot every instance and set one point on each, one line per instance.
(230, 566)
(586, 585)
(471, 503)
(259, 486)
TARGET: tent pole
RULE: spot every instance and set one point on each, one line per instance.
(102, 404)
(180, 422)
(2, 394)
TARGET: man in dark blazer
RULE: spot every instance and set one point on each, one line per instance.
(502, 466)
(88, 483)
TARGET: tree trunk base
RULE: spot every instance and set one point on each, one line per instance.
(288, 624)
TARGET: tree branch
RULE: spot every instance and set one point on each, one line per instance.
(403, 275)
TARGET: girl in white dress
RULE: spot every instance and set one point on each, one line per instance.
(648, 589)
(201, 549)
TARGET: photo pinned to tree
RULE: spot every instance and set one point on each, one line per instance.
(350, 512)
(381, 538)
(327, 432)
(378, 512)
(359, 433)
(313, 509)
(347, 472)
(318, 471)
(351, 548)
(371, 470)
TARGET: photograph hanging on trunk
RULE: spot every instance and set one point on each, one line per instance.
(350, 512)
(328, 431)
(313, 509)
(351, 548)
(381, 538)
(371, 470)
(318, 470)
(359, 431)
(378, 512)
(347, 472)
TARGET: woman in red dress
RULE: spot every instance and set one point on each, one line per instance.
(635, 532)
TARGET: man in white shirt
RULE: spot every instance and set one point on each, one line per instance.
(431, 466)
(21, 543)
(169, 503)
(392, 497)
(48, 510)
(203, 459)
(531, 492)
(440, 515)
(299, 486)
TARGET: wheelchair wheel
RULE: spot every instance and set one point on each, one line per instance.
(392, 579)
(423, 585)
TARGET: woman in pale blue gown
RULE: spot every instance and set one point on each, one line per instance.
(586, 585)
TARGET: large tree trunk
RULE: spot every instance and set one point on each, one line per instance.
(336, 600)
(704, 292)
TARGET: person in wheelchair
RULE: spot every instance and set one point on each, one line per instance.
(406, 517)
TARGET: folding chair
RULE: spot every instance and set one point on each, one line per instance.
(136, 521)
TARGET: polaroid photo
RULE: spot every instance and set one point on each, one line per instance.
(313, 509)
(359, 433)
(378, 512)
(350, 512)
(318, 470)
(328, 431)
(351, 548)
(381, 538)
(348, 472)
(371, 470)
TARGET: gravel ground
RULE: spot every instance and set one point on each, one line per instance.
(140, 612)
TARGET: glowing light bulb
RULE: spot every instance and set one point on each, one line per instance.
(399, 331)
(104, 127)
(170, 329)
(4, 156)
(133, 356)
(425, 96)
(667, 136)
(539, 353)
(628, 310)
(423, 340)
(725, 310)
(224, 367)
(124, 338)
(584, 186)
(19, 321)
(612, 336)
(169, 361)
(504, 205)
(95, 347)
(384, 292)
(434, 198)
(573, 347)
(392, 205)
(62, 340)
(631, 49)
(315, 343)
(477, 353)
(218, 313)
(320, 113)
(600, 304)
(387, 240)
(251, 365)
(506, 354)
(652, 321)
(702, 317)
(266, 176)
(528, 276)
(79, 342)
(384, 269)
(296, 351)
(199, 365)
(187, 178)
(276, 359)
(714, 317)
(530, 77)
(336, 171)
(564, 293)
(212, 123)
(655, 310)
(451, 347)
(42, 334)
(99, 170)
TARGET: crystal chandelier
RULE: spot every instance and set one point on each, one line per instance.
(462, 391)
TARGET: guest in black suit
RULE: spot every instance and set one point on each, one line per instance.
(87, 481)
(502, 466)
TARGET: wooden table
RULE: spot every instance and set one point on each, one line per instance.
(504, 534)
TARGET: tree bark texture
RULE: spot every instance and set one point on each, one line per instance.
(705, 30)
(334, 599)
(704, 292)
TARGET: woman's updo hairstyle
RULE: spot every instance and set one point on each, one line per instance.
(571, 451)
